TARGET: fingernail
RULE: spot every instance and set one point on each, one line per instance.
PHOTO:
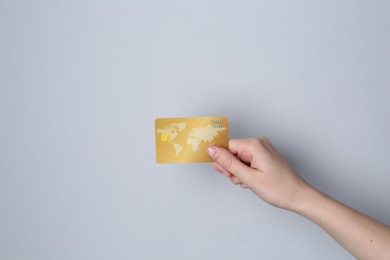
(212, 151)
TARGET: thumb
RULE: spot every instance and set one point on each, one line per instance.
(230, 163)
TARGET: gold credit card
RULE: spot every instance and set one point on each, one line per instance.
(185, 140)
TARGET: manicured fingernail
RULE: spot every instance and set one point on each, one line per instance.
(212, 151)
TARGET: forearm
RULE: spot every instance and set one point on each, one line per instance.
(271, 178)
(362, 236)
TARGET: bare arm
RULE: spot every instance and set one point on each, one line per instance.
(255, 164)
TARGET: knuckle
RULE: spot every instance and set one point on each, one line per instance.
(235, 180)
(232, 141)
(253, 141)
(254, 144)
(263, 139)
(226, 161)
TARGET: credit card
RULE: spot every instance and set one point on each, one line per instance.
(185, 140)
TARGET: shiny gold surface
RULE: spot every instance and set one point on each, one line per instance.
(177, 138)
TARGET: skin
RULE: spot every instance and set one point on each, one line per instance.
(255, 164)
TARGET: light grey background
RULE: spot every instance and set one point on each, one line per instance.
(81, 83)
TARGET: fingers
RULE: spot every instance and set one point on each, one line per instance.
(251, 150)
(243, 148)
(228, 164)
(235, 180)
(243, 186)
(221, 170)
(232, 178)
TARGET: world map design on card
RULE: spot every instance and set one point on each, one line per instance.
(185, 140)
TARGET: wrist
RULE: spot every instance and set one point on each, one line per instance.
(306, 201)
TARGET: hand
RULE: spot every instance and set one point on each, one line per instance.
(255, 164)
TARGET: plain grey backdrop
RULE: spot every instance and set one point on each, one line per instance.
(81, 83)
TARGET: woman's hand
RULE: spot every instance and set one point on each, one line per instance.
(255, 164)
